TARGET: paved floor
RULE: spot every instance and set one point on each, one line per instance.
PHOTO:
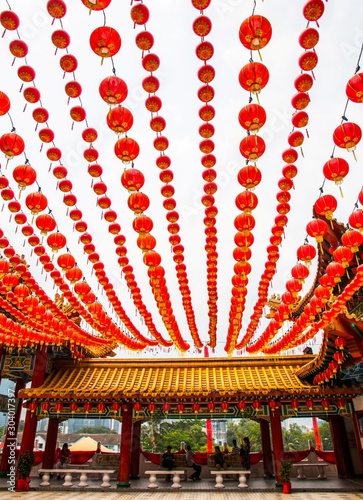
(259, 489)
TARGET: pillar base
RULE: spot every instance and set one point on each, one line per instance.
(278, 484)
(4, 473)
(269, 476)
(121, 484)
(135, 477)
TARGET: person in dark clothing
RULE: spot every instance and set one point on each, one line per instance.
(219, 458)
(245, 453)
(190, 463)
(168, 461)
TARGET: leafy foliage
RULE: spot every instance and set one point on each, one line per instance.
(99, 429)
(157, 434)
(25, 464)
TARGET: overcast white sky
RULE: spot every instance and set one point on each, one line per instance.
(341, 37)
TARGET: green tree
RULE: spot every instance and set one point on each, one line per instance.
(99, 429)
(294, 438)
(239, 428)
(325, 435)
(158, 433)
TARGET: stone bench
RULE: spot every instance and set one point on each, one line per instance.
(242, 474)
(153, 482)
(301, 469)
(82, 476)
(180, 463)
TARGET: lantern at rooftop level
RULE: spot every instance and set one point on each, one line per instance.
(354, 88)
(343, 254)
(300, 272)
(326, 206)
(113, 90)
(252, 117)
(335, 270)
(352, 239)
(317, 228)
(356, 220)
(306, 253)
(105, 41)
(347, 136)
(253, 77)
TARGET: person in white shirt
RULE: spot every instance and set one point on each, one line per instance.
(190, 463)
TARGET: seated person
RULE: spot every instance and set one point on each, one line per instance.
(168, 461)
(219, 458)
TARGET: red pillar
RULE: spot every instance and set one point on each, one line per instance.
(357, 440)
(14, 413)
(51, 443)
(135, 450)
(277, 441)
(30, 425)
(266, 449)
(125, 453)
(340, 440)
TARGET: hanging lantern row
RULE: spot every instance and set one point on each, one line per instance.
(202, 27)
(252, 117)
(146, 241)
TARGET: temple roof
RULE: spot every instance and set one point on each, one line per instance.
(187, 378)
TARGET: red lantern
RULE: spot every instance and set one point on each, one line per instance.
(180, 407)
(335, 270)
(300, 272)
(74, 274)
(31, 94)
(252, 147)
(56, 8)
(310, 404)
(126, 149)
(317, 228)
(289, 155)
(132, 179)
(255, 32)
(336, 169)
(195, 407)
(295, 404)
(46, 223)
(26, 73)
(344, 255)
(36, 202)
(58, 407)
(24, 175)
(249, 177)
(46, 135)
(300, 119)
(295, 139)
(340, 343)
(256, 404)
(341, 403)
(138, 202)
(140, 14)
(4, 103)
(61, 39)
(211, 406)
(78, 113)
(73, 407)
(309, 38)
(18, 48)
(73, 89)
(306, 253)
(56, 241)
(303, 82)
(300, 100)
(9, 20)
(45, 407)
(326, 206)
(87, 407)
(40, 115)
(253, 77)
(339, 357)
(246, 201)
(204, 50)
(138, 407)
(356, 220)
(105, 41)
(68, 63)
(11, 144)
(144, 40)
(313, 10)
(252, 117)
(347, 136)
(308, 60)
(166, 408)
(352, 239)
(224, 406)
(150, 62)
(113, 90)
(142, 224)
(354, 88)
